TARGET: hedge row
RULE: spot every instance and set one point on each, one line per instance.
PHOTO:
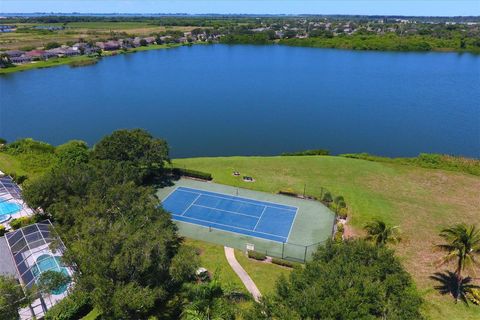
(22, 222)
(73, 307)
(256, 255)
(315, 152)
(285, 263)
(192, 173)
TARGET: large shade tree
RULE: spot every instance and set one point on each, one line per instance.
(11, 298)
(120, 242)
(350, 280)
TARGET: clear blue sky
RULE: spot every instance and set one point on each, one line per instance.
(367, 7)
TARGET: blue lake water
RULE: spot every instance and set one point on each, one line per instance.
(256, 100)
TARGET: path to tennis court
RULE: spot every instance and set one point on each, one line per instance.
(247, 281)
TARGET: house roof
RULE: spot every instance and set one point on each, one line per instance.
(7, 268)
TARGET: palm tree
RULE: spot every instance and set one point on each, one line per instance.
(380, 233)
(462, 243)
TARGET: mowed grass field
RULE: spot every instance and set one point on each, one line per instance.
(420, 201)
(73, 31)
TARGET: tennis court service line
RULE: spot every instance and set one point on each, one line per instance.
(191, 204)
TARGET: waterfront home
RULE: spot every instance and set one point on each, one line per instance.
(136, 42)
(14, 53)
(111, 45)
(150, 40)
(35, 54)
(21, 59)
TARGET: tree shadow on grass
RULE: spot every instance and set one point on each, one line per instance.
(449, 283)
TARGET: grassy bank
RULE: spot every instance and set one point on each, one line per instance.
(50, 63)
(419, 200)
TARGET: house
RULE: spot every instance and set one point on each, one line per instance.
(14, 53)
(35, 54)
(111, 45)
(68, 52)
(150, 40)
(21, 59)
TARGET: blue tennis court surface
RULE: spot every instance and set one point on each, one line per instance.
(230, 213)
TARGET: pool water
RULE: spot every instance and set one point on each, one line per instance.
(47, 262)
(7, 208)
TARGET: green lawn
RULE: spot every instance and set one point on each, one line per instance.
(421, 201)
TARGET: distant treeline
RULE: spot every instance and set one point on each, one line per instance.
(314, 152)
(427, 160)
(388, 42)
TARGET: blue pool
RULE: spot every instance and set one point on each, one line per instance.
(47, 262)
(7, 208)
(266, 220)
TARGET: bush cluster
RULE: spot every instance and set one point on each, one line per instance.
(256, 255)
(285, 263)
(192, 173)
(75, 306)
(2, 230)
(22, 222)
(314, 152)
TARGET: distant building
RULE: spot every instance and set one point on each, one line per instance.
(14, 53)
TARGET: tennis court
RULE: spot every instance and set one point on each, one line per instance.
(277, 225)
(266, 220)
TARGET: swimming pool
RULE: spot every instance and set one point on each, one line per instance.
(7, 208)
(47, 262)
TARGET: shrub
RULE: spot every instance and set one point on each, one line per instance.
(75, 306)
(192, 173)
(21, 222)
(327, 197)
(338, 237)
(285, 263)
(256, 255)
(315, 152)
(52, 45)
(18, 178)
(2, 230)
(340, 227)
(3, 141)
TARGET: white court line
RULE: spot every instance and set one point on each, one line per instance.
(230, 226)
(236, 197)
(261, 215)
(211, 208)
(291, 225)
(168, 195)
(191, 204)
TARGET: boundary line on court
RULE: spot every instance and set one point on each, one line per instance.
(230, 226)
(261, 215)
(226, 231)
(191, 204)
(245, 198)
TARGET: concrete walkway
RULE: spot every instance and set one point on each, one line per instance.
(247, 281)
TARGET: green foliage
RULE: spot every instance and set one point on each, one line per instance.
(29, 145)
(2, 230)
(192, 173)
(315, 152)
(474, 296)
(21, 222)
(427, 160)
(73, 307)
(380, 233)
(338, 236)
(256, 38)
(184, 264)
(327, 197)
(52, 45)
(72, 153)
(285, 263)
(3, 141)
(256, 255)
(350, 280)
(462, 245)
(387, 42)
(11, 298)
(50, 281)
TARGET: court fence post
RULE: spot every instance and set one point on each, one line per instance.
(305, 255)
(283, 249)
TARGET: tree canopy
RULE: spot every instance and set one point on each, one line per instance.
(350, 280)
(11, 298)
(120, 241)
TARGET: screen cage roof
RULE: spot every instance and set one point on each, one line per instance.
(30, 248)
(8, 188)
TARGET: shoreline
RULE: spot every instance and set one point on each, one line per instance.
(79, 61)
(82, 60)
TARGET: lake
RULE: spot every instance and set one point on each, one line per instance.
(213, 100)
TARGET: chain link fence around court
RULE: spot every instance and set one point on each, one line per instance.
(283, 250)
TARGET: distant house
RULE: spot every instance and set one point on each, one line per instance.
(49, 28)
(7, 28)
(21, 59)
(14, 53)
(150, 40)
(35, 54)
(111, 45)
(70, 52)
